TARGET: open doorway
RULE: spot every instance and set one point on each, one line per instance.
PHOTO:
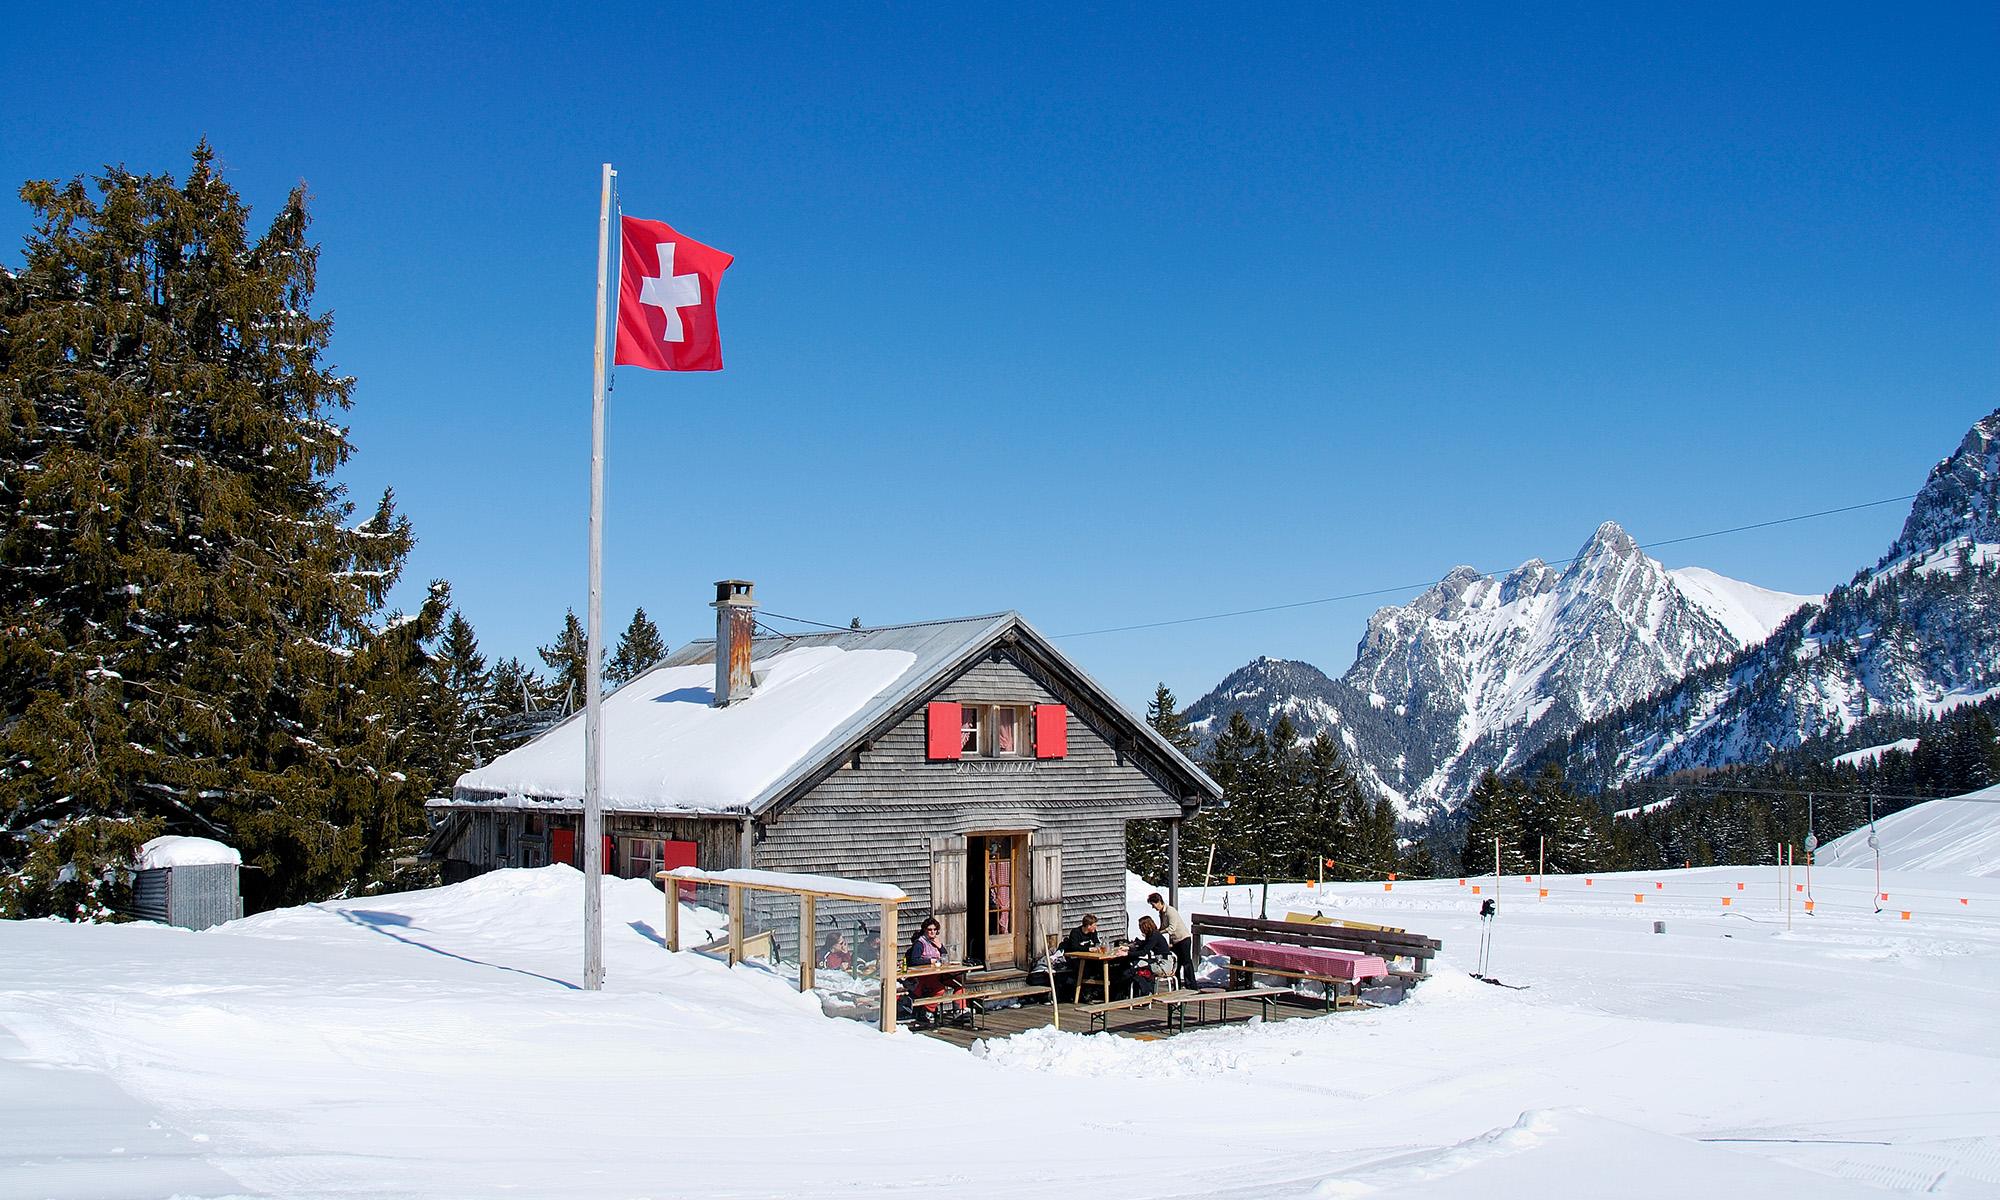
(993, 905)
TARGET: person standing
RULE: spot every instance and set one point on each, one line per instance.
(1179, 936)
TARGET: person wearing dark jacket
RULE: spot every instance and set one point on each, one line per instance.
(1136, 976)
(1083, 937)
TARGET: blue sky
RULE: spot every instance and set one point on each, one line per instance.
(1109, 317)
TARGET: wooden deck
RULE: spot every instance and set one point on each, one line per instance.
(1144, 1023)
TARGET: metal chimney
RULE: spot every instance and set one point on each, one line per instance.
(735, 624)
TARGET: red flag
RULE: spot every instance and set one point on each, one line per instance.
(666, 299)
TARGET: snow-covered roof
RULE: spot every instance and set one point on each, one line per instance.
(176, 851)
(668, 749)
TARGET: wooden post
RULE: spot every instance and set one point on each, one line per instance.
(888, 968)
(1174, 862)
(1055, 1005)
(735, 925)
(593, 674)
(808, 943)
(673, 915)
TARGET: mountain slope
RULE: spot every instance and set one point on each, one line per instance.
(1960, 835)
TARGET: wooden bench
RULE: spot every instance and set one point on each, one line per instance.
(1096, 1012)
(1177, 1002)
(1386, 944)
(975, 998)
(1331, 986)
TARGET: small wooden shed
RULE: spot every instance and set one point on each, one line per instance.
(192, 882)
(968, 762)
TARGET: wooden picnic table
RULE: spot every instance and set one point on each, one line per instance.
(1104, 956)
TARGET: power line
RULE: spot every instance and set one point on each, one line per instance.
(1803, 790)
(804, 621)
(1411, 587)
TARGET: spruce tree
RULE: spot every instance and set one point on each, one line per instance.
(1146, 841)
(462, 722)
(1235, 761)
(516, 707)
(192, 637)
(1495, 808)
(566, 658)
(1325, 832)
(639, 647)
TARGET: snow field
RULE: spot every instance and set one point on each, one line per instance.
(434, 1044)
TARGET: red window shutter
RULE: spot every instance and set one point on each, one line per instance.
(942, 730)
(679, 854)
(1051, 731)
(562, 849)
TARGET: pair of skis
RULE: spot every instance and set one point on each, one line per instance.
(1487, 911)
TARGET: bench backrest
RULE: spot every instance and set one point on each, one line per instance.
(1382, 943)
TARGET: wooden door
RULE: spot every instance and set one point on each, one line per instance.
(1045, 890)
(999, 860)
(948, 892)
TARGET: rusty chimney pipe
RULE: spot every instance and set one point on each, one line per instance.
(735, 624)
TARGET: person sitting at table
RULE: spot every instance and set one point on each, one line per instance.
(1139, 971)
(927, 950)
(839, 955)
(1083, 937)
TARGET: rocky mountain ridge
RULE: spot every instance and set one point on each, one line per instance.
(1619, 668)
(1480, 672)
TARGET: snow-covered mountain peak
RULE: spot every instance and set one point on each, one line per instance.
(1959, 503)
(1609, 544)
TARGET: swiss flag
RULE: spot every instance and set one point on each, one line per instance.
(666, 299)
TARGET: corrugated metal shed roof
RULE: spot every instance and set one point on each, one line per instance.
(937, 650)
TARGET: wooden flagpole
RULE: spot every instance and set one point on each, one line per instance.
(593, 692)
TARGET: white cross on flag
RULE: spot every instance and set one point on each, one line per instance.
(666, 299)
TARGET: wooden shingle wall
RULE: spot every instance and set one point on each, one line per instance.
(876, 819)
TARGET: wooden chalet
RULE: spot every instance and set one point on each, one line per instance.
(968, 762)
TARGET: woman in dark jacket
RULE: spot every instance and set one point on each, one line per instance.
(1135, 974)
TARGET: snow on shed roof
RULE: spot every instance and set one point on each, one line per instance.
(175, 851)
(668, 749)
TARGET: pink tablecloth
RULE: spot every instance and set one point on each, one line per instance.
(1336, 964)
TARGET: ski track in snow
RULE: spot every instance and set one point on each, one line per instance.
(435, 1044)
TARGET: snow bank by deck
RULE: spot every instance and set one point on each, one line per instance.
(174, 851)
(669, 749)
(1960, 836)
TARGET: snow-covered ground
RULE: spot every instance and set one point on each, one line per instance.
(1961, 835)
(434, 1044)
